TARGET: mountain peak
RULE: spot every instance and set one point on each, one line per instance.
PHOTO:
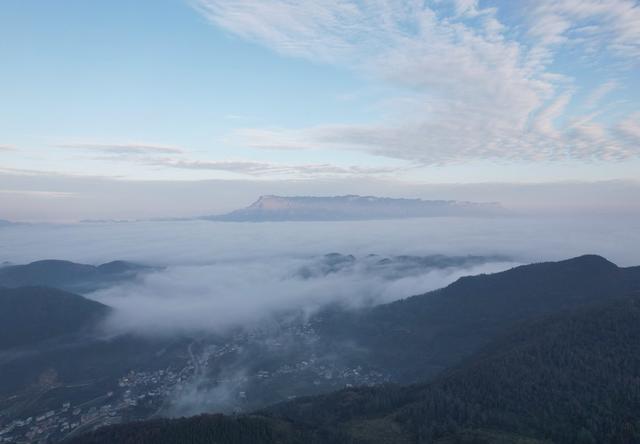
(269, 202)
(590, 261)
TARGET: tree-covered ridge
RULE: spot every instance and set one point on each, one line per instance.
(416, 338)
(569, 379)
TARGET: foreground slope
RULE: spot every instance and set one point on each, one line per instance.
(567, 379)
(572, 377)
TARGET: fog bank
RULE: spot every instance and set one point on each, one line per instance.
(526, 239)
(219, 275)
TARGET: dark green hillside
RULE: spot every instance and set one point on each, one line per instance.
(67, 275)
(29, 315)
(438, 329)
(205, 429)
(568, 379)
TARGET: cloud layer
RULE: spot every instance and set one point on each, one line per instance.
(216, 297)
(221, 275)
(474, 88)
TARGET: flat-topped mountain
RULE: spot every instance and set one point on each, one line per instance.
(352, 207)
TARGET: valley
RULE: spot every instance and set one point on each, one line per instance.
(81, 380)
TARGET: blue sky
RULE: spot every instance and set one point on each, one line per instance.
(424, 92)
(155, 73)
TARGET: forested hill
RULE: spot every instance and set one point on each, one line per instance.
(68, 275)
(571, 378)
(416, 338)
(29, 315)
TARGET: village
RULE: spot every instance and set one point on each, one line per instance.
(135, 393)
(147, 394)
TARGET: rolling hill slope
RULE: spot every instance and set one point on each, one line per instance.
(439, 328)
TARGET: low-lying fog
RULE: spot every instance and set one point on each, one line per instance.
(224, 274)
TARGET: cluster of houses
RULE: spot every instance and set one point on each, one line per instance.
(144, 391)
(55, 423)
(140, 394)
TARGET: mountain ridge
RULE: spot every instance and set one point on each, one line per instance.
(441, 327)
(69, 276)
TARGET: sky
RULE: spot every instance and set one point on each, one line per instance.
(155, 108)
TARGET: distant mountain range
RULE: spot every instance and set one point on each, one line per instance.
(352, 207)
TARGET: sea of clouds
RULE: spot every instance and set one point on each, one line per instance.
(217, 275)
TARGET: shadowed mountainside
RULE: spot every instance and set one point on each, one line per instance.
(29, 315)
(439, 328)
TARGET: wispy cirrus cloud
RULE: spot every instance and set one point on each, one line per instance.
(596, 25)
(629, 128)
(124, 148)
(596, 96)
(177, 158)
(38, 193)
(255, 168)
(478, 89)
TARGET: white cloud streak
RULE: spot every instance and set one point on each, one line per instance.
(254, 168)
(600, 93)
(154, 155)
(124, 148)
(38, 193)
